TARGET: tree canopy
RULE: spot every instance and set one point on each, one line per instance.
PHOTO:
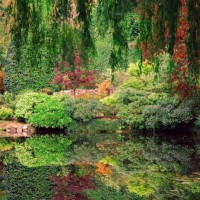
(64, 27)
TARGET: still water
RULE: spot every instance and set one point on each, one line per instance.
(122, 167)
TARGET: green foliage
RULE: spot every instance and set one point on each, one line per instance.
(26, 104)
(166, 114)
(32, 56)
(95, 131)
(108, 193)
(42, 150)
(130, 103)
(1, 99)
(140, 89)
(9, 100)
(118, 17)
(28, 183)
(28, 73)
(153, 156)
(84, 110)
(143, 77)
(198, 149)
(86, 137)
(5, 113)
(48, 27)
(144, 102)
(5, 144)
(84, 153)
(49, 114)
(197, 122)
(148, 168)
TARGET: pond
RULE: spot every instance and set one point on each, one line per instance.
(90, 163)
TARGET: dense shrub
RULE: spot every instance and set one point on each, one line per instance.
(9, 100)
(109, 193)
(5, 145)
(26, 104)
(26, 183)
(84, 110)
(49, 114)
(129, 104)
(142, 103)
(166, 114)
(5, 113)
(28, 73)
(42, 150)
(143, 78)
(139, 90)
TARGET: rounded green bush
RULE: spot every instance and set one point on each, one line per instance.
(49, 114)
(26, 104)
(84, 110)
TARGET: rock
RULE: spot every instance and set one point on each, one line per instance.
(13, 130)
(25, 127)
(25, 134)
(19, 130)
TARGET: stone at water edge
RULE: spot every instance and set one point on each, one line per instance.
(19, 130)
(11, 130)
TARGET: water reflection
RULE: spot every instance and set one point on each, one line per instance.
(112, 167)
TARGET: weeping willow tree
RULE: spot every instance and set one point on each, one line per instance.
(63, 27)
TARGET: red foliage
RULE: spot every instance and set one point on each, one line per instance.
(180, 76)
(71, 187)
(75, 75)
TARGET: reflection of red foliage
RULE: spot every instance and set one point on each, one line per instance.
(74, 76)
(71, 187)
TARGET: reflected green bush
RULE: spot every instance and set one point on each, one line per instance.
(42, 150)
(147, 168)
(108, 193)
(26, 183)
(96, 131)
